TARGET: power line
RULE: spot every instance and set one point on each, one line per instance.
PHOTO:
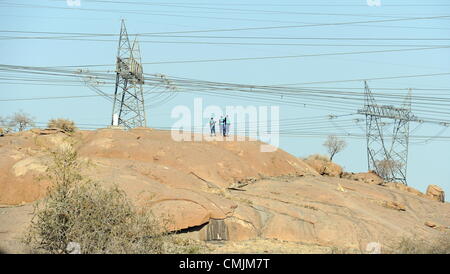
(291, 56)
(163, 34)
(52, 97)
(311, 98)
(308, 25)
(270, 57)
(222, 9)
(222, 43)
(277, 27)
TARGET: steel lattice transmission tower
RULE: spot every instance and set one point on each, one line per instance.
(387, 130)
(128, 105)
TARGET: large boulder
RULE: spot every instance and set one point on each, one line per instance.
(434, 192)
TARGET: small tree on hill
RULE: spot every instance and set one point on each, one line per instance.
(334, 145)
(20, 121)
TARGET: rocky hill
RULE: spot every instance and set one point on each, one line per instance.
(225, 190)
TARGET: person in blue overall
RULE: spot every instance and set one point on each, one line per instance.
(212, 126)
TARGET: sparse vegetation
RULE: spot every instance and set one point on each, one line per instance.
(318, 157)
(310, 207)
(334, 145)
(20, 121)
(63, 124)
(386, 167)
(100, 220)
(415, 245)
(344, 250)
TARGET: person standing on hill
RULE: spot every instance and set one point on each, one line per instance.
(212, 126)
(227, 125)
(221, 125)
(224, 126)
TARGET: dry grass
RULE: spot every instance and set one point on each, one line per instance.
(415, 245)
(318, 157)
(406, 245)
(344, 250)
(63, 124)
(100, 220)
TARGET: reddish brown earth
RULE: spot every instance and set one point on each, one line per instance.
(270, 199)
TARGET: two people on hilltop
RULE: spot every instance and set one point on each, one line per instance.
(224, 126)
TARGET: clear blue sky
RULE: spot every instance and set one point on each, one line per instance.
(429, 159)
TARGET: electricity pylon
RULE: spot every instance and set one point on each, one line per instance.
(128, 105)
(387, 148)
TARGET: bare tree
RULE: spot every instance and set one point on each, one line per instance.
(21, 121)
(334, 145)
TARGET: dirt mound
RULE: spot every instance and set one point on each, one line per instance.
(229, 190)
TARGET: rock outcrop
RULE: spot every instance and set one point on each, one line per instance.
(403, 187)
(324, 166)
(182, 179)
(365, 177)
(436, 193)
(230, 190)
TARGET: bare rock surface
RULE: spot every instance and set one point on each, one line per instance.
(261, 197)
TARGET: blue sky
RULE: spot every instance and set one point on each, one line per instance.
(428, 157)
